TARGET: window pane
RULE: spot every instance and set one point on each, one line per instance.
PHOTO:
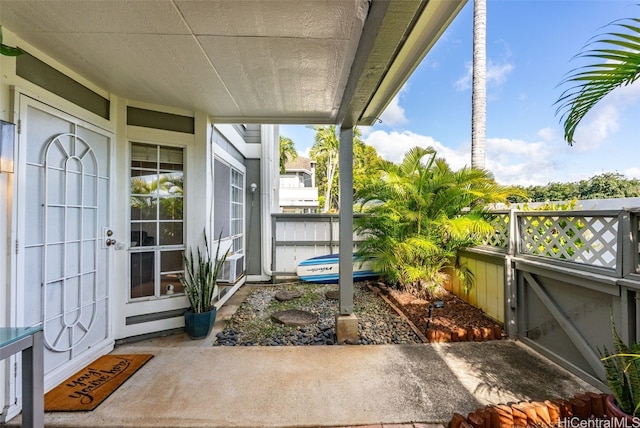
(143, 234)
(171, 261)
(144, 208)
(171, 233)
(142, 274)
(171, 183)
(171, 267)
(222, 199)
(144, 155)
(171, 208)
(170, 284)
(171, 159)
(237, 244)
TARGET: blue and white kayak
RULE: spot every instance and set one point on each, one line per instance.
(324, 269)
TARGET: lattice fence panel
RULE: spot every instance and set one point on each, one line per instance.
(500, 237)
(584, 239)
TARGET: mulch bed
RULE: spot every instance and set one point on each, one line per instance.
(457, 321)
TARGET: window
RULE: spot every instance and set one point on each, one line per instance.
(157, 220)
(237, 209)
(228, 216)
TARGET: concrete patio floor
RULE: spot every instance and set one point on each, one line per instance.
(192, 384)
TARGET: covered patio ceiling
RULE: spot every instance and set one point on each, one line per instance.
(240, 61)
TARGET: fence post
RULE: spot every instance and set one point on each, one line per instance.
(625, 252)
(274, 222)
(625, 260)
(510, 278)
(331, 234)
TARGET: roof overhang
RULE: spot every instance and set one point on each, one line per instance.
(240, 61)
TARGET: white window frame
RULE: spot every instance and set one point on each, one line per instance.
(156, 249)
(239, 239)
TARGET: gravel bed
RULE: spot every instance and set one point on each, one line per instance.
(251, 325)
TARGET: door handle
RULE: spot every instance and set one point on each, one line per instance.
(108, 241)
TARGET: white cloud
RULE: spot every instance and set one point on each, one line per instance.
(365, 131)
(510, 161)
(464, 83)
(547, 134)
(596, 127)
(497, 74)
(392, 146)
(632, 173)
(394, 113)
(520, 162)
(604, 118)
(306, 152)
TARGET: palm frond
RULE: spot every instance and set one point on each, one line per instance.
(419, 214)
(617, 64)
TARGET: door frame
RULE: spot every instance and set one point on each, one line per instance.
(126, 308)
(22, 100)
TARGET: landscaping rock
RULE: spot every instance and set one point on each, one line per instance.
(285, 295)
(295, 317)
(378, 323)
(332, 294)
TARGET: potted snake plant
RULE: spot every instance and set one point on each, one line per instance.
(622, 369)
(200, 282)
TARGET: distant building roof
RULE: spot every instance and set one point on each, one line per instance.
(300, 162)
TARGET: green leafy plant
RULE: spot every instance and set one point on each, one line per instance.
(200, 279)
(617, 63)
(622, 370)
(8, 50)
(419, 213)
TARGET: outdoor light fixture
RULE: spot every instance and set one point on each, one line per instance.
(7, 133)
(436, 304)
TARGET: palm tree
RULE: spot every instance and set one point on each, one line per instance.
(419, 214)
(617, 63)
(479, 89)
(287, 152)
(325, 152)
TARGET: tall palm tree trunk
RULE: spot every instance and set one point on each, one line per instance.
(479, 89)
(327, 194)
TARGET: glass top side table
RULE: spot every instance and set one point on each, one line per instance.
(29, 341)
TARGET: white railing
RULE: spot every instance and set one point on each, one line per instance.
(595, 238)
(297, 237)
(601, 239)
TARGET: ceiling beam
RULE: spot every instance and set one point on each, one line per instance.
(396, 37)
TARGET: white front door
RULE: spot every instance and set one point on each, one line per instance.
(64, 236)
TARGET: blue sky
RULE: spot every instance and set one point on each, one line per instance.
(530, 48)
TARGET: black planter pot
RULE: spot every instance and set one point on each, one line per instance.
(198, 326)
